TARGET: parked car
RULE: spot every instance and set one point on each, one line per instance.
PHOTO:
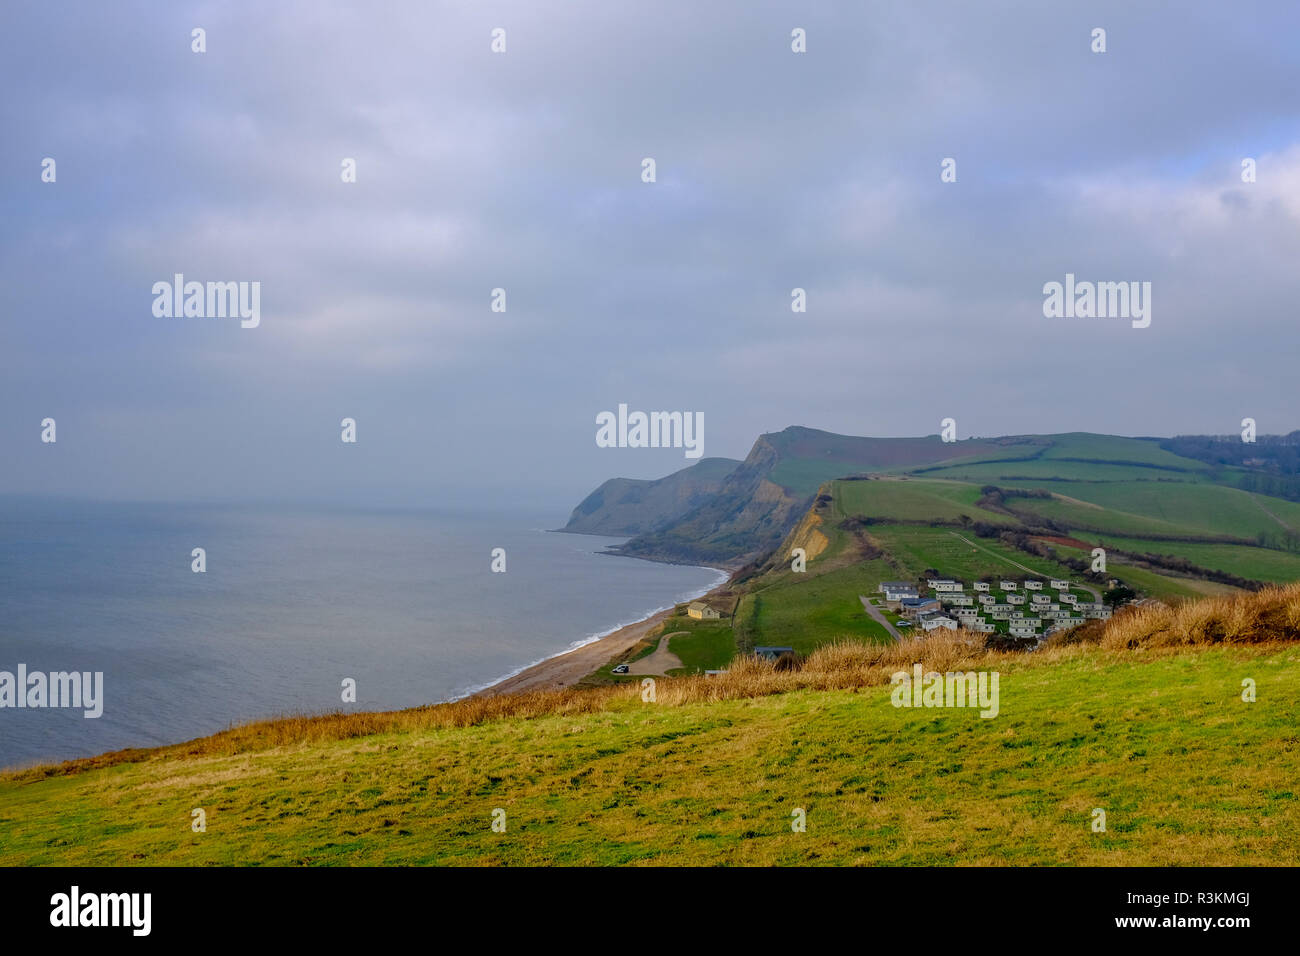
(620, 669)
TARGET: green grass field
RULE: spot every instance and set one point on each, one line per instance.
(1077, 513)
(913, 499)
(803, 611)
(958, 554)
(1081, 456)
(706, 645)
(1261, 564)
(1106, 448)
(1166, 587)
(1157, 742)
(1046, 469)
(1170, 508)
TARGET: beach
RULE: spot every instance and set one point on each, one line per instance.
(572, 666)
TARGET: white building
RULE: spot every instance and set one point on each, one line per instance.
(1060, 585)
(1033, 585)
(981, 585)
(1007, 585)
(938, 621)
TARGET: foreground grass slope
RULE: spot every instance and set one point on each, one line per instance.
(1143, 718)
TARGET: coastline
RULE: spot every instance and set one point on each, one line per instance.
(576, 662)
(570, 666)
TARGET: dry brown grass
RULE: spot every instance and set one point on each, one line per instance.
(307, 729)
(843, 665)
(1264, 617)
(1242, 618)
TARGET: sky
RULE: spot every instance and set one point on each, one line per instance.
(522, 170)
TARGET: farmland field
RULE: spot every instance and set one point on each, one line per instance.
(1261, 564)
(914, 499)
(1192, 508)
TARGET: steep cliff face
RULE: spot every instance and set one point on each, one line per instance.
(747, 517)
(631, 506)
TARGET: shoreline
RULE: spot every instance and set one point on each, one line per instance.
(570, 666)
(576, 662)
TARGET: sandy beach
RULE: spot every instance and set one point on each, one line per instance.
(573, 666)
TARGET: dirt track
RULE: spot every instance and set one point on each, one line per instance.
(659, 661)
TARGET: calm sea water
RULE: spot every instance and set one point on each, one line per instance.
(291, 604)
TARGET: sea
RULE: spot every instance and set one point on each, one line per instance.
(292, 603)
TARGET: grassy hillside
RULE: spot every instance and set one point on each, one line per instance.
(1077, 514)
(1145, 720)
(1085, 446)
(1262, 564)
(914, 499)
(1185, 507)
(805, 613)
(807, 457)
(1053, 454)
(1152, 583)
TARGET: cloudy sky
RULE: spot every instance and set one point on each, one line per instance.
(522, 170)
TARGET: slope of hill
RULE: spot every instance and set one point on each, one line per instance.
(630, 506)
(1146, 721)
